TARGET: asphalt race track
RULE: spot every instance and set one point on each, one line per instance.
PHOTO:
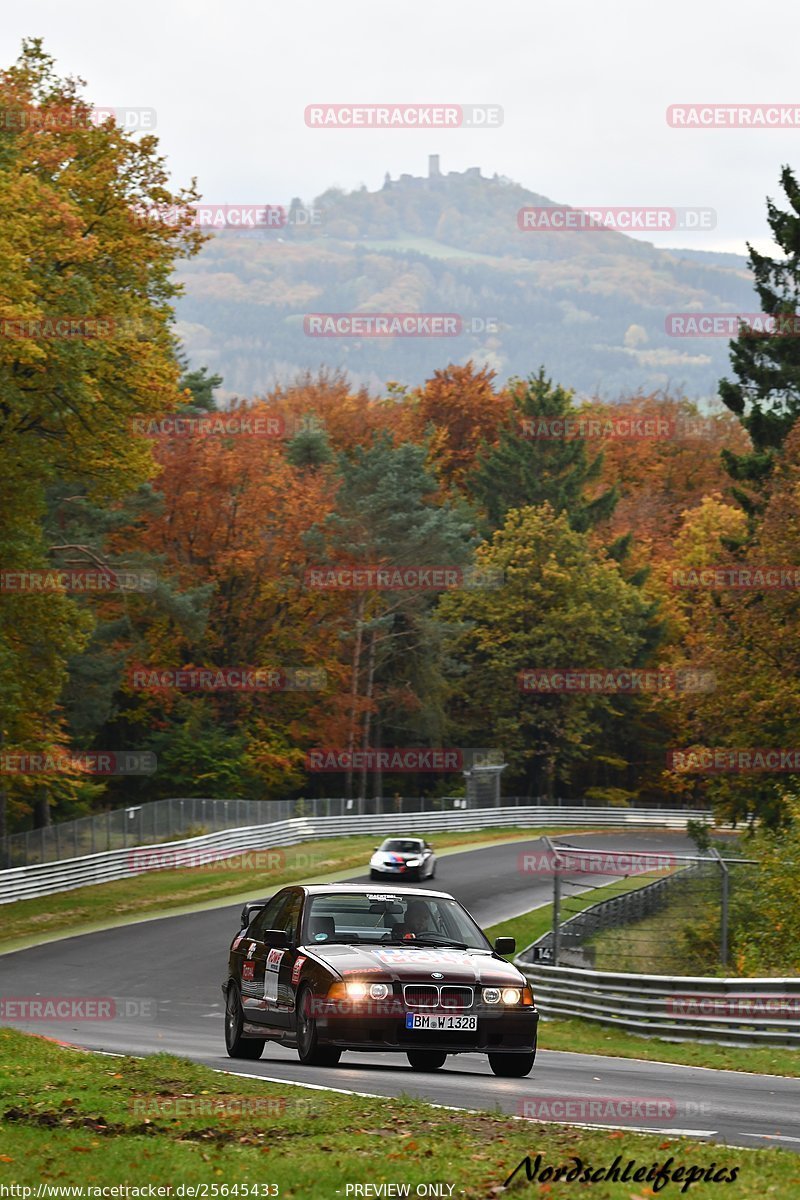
(165, 975)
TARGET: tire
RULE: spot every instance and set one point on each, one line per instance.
(374, 875)
(512, 1066)
(433, 870)
(309, 1051)
(426, 1060)
(237, 1045)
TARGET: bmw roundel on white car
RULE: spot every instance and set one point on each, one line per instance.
(327, 968)
(403, 858)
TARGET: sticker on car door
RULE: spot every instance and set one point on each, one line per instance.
(272, 966)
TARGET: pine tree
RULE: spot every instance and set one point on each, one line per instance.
(524, 470)
(766, 397)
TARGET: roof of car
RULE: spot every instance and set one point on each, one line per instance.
(324, 889)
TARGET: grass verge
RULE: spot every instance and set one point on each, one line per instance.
(534, 924)
(680, 939)
(586, 1037)
(71, 1118)
(192, 888)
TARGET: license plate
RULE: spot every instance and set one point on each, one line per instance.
(441, 1021)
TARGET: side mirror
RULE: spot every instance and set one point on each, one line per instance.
(375, 849)
(275, 938)
(505, 945)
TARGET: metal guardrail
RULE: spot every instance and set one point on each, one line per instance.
(183, 817)
(676, 1008)
(43, 879)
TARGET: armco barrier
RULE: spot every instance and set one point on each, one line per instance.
(42, 879)
(676, 1008)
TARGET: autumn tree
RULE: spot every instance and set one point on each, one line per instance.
(86, 295)
(388, 514)
(563, 603)
(459, 411)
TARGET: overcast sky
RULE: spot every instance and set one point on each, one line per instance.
(584, 89)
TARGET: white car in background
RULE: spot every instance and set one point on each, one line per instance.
(403, 858)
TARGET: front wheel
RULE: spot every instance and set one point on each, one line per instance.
(237, 1045)
(426, 1060)
(309, 1050)
(374, 875)
(512, 1066)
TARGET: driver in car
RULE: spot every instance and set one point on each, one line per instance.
(418, 919)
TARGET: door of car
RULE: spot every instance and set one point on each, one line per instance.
(279, 989)
(254, 961)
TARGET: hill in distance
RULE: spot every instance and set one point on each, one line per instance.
(591, 306)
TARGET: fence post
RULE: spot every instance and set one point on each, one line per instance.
(723, 932)
(556, 898)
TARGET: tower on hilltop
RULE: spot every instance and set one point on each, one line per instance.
(433, 166)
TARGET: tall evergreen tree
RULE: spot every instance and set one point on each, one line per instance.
(526, 469)
(766, 396)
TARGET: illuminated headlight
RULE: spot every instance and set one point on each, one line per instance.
(379, 991)
(413, 862)
(356, 990)
(491, 995)
(511, 995)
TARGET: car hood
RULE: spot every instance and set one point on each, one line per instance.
(398, 855)
(406, 963)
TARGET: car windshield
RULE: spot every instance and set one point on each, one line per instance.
(390, 917)
(402, 846)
